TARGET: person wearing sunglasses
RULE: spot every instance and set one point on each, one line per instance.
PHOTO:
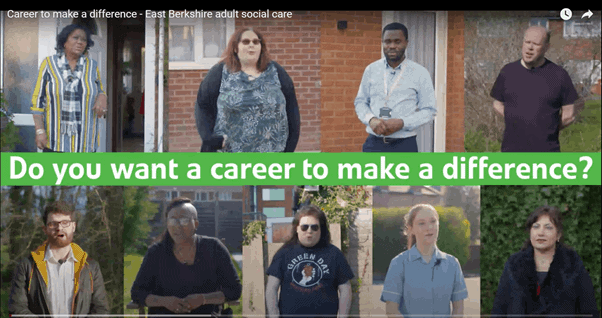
(312, 274)
(185, 273)
(247, 102)
(59, 277)
(423, 280)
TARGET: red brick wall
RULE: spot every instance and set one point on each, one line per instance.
(294, 44)
(345, 55)
(454, 129)
(326, 65)
(183, 87)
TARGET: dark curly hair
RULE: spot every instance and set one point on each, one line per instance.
(62, 37)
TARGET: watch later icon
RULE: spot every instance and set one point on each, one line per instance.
(566, 14)
(588, 14)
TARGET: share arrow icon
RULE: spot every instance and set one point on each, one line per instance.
(588, 14)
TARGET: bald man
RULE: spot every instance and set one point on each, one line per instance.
(535, 96)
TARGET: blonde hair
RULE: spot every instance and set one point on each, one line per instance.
(408, 220)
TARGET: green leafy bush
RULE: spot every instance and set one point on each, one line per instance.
(476, 141)
(389, 241)
(504, 212)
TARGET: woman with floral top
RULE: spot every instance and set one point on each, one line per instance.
(247, 102)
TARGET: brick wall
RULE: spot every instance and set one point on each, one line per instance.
(345, 55)
(183, 87)
(294, 44)
(454, 129)
(326, 66)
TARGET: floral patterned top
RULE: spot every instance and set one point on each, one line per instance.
(252, 112)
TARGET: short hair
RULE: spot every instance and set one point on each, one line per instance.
(59, 207)
(62, 37)
(548, 33)
(396, 26)
(230, 58)
(408, 220)
(316, 212)
(552, 212)
(176, 203)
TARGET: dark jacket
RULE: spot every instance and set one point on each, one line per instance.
(28, 288)
(567, 289)
(206, 109)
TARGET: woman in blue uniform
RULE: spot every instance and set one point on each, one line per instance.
(424, 280)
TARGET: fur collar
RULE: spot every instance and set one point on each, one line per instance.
(560, 281)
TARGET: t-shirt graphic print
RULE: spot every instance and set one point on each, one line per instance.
(309, 279)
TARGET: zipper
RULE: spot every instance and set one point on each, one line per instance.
(78, 289)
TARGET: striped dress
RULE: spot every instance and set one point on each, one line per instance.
(65, 98)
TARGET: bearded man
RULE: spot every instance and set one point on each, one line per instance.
(58, 278)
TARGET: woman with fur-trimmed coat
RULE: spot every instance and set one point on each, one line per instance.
(546, 277)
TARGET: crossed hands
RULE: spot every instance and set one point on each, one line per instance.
(184, 305)
(385, 127)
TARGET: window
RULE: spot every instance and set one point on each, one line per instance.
(273, 212)
(582, 29)
(495, 28)
(198, 43)
(224, 196)
(170, 195)
(272, 194)
(204, 196)
(539, 21)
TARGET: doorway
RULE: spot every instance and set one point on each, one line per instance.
(126, 49)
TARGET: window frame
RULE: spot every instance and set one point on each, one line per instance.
(200, 62)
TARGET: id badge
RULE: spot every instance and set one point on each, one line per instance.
(385, 112)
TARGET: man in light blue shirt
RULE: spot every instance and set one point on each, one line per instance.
(396, 96)
(421, 287)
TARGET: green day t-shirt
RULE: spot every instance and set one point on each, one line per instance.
(309, 279)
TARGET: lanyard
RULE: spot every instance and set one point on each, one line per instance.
(397, 78)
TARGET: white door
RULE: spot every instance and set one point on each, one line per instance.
(98, 52)
(421, 49)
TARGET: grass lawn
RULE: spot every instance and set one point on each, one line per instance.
(584, 135)
(131, 265)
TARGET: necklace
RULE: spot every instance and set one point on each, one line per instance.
(182, 257)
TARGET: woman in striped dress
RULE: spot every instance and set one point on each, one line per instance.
(68, 98)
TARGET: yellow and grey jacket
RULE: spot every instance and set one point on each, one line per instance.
(28, 293)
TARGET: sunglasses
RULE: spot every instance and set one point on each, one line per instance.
(314, 227)
(247, 41)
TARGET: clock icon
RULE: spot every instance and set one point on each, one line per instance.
(566, 14)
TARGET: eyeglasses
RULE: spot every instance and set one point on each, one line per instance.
(54, 225)
(182, 221)
(314, 227)
(247, 41)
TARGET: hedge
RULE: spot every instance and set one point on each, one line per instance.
(504, 210)
(389, 241)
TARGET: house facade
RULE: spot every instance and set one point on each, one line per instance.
(326, 61)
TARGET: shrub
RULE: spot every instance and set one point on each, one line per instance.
(504, 212)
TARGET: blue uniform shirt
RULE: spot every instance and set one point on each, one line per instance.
(424, 289)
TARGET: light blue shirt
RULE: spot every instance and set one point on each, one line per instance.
(412, 99)
(424, 289)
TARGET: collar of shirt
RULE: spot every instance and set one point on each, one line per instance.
(49, 257)
(397, 68)
(415, 254)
